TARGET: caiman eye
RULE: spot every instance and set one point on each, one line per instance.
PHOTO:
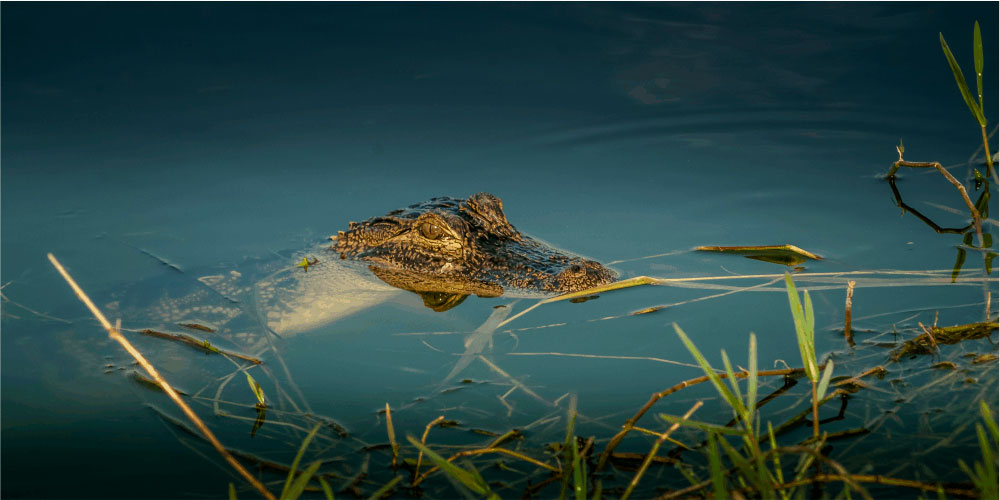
(430, 231)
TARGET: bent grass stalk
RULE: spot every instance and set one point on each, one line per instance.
(116, 335)
(151, 370)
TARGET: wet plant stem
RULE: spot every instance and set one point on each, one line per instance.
(989, 159)
(815, 405)
(116, 335)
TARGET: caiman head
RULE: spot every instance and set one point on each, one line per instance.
(450, 246)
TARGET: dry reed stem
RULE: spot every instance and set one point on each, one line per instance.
(930, 335)
(877, 479)
(117, 336)
(630, 423)
(423, 441)
(392, 434)
(656, 446)
(847, 313)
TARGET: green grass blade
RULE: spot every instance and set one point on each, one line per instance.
(385, 488)
(810, 333)
(748, 472)
(707, 368)
(824, 382)
(463, 476)
(991, 424)
(715, 469)
(597, 490)
(569, 450)
(298, 457)
(299, 485)
(802, 327)
(960, 80)
(257, 390)
(752, 377)
(326, 488)
(232, 492)
(739, 408)
(579, 474)
(977, 52)
(705, 426)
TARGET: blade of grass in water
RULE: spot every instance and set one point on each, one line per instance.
(258, 391)
(385, 488)
(298, 457)
(707, 368)
(960, 80)
(977, 53)
(299, 485)
(473, 482)
(715, 468)
(804, 323)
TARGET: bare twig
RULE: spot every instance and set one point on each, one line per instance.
(976, 217)
(117, 336)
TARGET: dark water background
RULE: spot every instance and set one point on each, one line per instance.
(208, 134)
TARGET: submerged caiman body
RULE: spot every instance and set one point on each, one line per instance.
(444, 250)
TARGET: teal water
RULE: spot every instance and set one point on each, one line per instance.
(222, 137)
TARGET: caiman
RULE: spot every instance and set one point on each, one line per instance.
(444, 249)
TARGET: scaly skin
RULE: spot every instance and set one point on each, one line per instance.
(468, 241)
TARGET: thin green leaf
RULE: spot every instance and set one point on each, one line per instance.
(712, 375)
(824, 382)
(705, 426)
(752, 377)
(299, 485)
(569, 445)
(715, 469)
(977, 53)
(746, 469)
(777, 460)
(385, 488)
(597, 490)
(959, 261)
(739, 408)
(807, 309)
(326, 488)
(960, 80)
(463, 476)
(802, 327)
(257, 390)
(991, 424)
(298, 457)
(232, 492)
(579, 474)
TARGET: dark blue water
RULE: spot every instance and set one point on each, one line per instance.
(224, 137)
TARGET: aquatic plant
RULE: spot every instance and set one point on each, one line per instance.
(977, 109)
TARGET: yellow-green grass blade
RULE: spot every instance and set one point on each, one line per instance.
(960, 81)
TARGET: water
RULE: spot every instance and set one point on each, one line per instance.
(223, 137)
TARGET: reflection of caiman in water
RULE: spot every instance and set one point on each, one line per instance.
(443, 250)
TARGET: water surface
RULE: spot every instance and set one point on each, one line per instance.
(221, 137)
